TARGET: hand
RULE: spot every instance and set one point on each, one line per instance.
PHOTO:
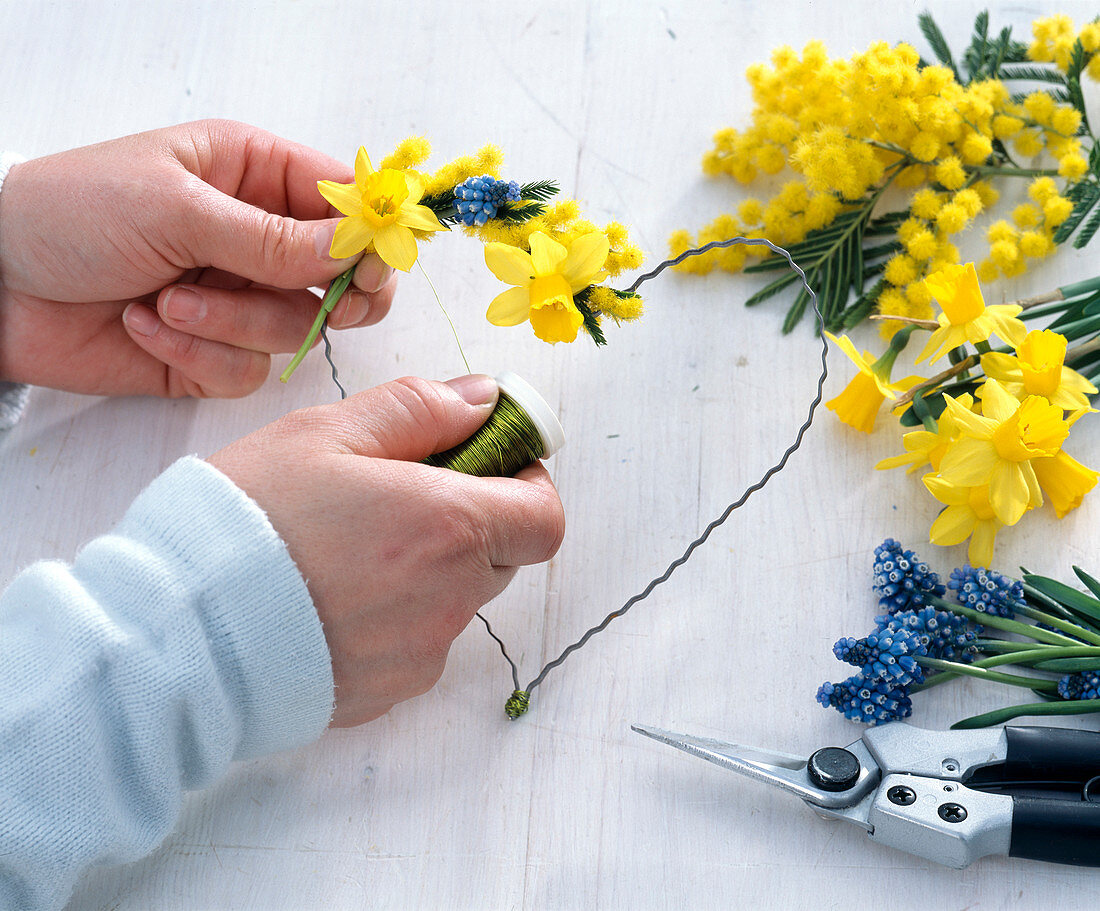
(170, 263)
(398, 556)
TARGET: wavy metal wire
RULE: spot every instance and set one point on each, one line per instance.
(777, 467)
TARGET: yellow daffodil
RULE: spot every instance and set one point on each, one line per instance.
(965, 316)
(968, 513)
(545, 281)
(383, 211)
(927, 447)
(1038, 368)
(997, 448)
(1064, 480)
(859, 402)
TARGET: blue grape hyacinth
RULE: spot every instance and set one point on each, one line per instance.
(1082, 685)
(987, 591)
(902, 580)
(478, 199)
(868, 702)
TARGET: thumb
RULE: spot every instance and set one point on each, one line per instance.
(265, 248)
(412, 418)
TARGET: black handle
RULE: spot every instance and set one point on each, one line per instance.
(1058, 831)
(1052, 754)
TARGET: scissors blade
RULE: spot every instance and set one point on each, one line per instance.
(783, 770)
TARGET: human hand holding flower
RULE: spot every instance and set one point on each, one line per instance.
(172, 262)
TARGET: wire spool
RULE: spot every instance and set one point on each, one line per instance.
(521, 429)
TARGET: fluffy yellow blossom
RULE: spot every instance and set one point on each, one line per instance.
(545, 280)
(998, 446)
(603, 300)
(1065, 120)
(410, 153)
(1006, 126)
(952, 218)
(965, 316)
(926, 203)
(1026, 215)
(950, 173)
(1038, 368)
(1028, 143)
(900, 270)
(921, 245)
(1036, 244)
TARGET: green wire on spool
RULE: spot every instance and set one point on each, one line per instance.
(521, 429)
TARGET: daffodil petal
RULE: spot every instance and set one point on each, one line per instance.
(845, 344)
(974, 424)
(509, 264)
(353, 235)
(997, 403)
(1002, 367)
(969, 462)
(509, 308)
(980, 551)
(421, 218)
(344, 197)
(546, 253)
(415, 184)
(584, 262)
(948, 494)
(396, 246)
(952, 526)
(363, 167)
(1008, 492)
(556, 323)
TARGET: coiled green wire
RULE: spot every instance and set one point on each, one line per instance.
(503, 445)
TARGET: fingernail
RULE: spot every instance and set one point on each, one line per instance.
(352, 313)
(475, 389)
(141, 320)
(183, 305)
(322, 240)
(372, 274)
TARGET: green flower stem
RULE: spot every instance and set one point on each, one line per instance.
(335, 290)
(972, 670)
(1027, 655)
(1072, 629)
(1003, 646)
(992, 171)
(999, 716)
(1008, 626)
(1086, 287)
(983, 347)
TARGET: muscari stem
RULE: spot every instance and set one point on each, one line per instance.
(335, 290)
(1009, 626)
(999, 716)
(970, 670)
(1027, 655)
(1066, 626)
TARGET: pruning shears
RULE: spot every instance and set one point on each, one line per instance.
(949, 796)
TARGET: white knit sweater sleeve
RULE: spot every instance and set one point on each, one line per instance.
(182, 640)
(13, 396)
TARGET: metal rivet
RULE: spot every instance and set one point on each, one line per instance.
(952, 812)
(901, 795)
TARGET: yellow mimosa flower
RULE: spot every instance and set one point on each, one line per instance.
(927, 447)
(969, 514)
(859, 402)
(997, 448)
(382, 209)
(965, 316)
(1065, 481)
(1038, 368)
(545, 281)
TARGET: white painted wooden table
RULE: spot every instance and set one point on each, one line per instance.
(444, 803)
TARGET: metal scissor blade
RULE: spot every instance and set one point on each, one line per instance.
(784, 770)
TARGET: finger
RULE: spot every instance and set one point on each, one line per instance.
(357, 309)
(226, 233)
(410, 418)
(195, 366)
(524, 515)
(257, 319)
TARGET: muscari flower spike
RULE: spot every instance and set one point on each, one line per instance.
(902, 580)
(1082, 685)
(477, 199)
(887, 654)
(945, 635)
(874, 702)
(986, 591)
